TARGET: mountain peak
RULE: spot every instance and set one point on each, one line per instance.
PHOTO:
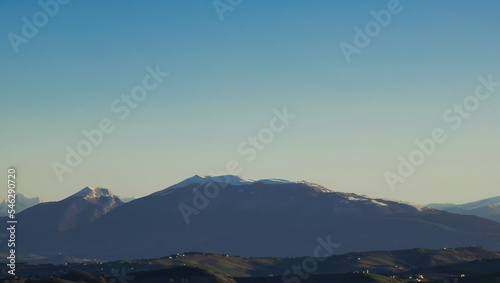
(79, 209)
(93, 193)
(235, 181)
(227, 179)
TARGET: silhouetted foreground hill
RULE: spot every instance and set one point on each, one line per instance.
(378, 266)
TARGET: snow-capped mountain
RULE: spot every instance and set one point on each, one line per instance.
(101, 197)
(234, 215)
(224, 180)
(488, 208)
(22, 203)
(47, 219)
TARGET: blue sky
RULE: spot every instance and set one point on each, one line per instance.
(352, 121)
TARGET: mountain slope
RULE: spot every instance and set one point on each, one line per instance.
(264, 218)
(487, 208)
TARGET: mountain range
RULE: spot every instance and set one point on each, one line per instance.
(237, 216)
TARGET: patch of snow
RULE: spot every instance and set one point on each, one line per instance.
(378, 203)
(227, 179)
(92, 193)
(317, 187)
(356, 199)
(274, 181)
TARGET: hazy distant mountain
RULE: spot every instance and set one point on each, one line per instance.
(488, 208)
(271, 217)
(125, 200)
(22, 203)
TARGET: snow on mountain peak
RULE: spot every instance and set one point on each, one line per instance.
(316, 187)
(226, 179)
(92, 193)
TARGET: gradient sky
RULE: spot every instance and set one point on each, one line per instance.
(226, 77)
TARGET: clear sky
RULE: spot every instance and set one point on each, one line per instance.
(226, 75)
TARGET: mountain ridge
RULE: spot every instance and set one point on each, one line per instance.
(223, 179)
(252, 218)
